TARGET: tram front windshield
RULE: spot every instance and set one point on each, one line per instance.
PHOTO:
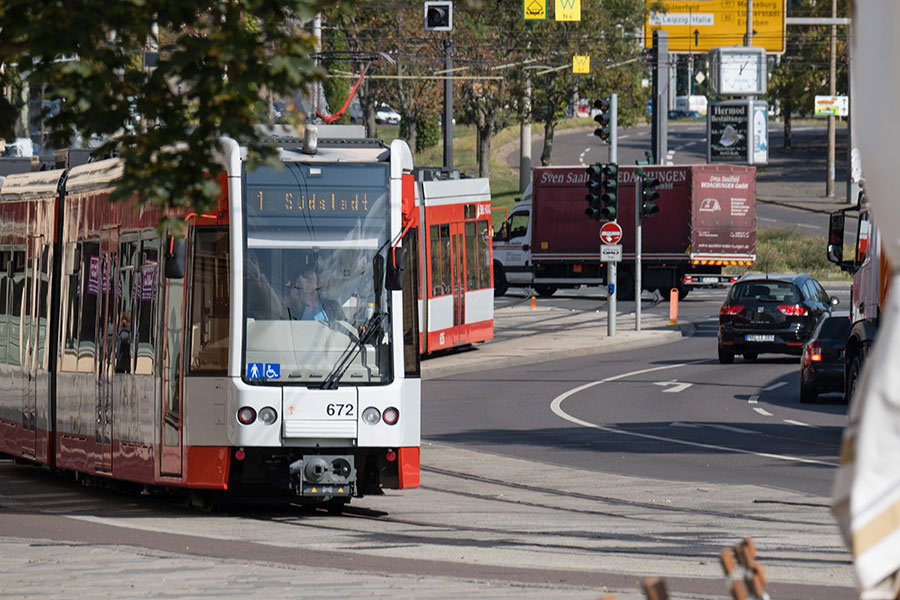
(316, 312)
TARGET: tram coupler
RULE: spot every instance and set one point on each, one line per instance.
(321, 475)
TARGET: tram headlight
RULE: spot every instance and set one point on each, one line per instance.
(268, 415)
(246, 415)
(371, 415)
(391, 415)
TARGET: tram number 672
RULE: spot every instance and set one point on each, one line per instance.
(339, 410)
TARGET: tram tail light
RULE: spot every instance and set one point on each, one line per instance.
(391, 456)
(246, 415)
(371, 415)
(268, 415)
(391, 415)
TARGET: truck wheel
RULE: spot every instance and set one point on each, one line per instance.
(726, 357)
(500, 284)
(807, 393)
(683, 291)
(545, 291)
(852, 379)
(624, 285)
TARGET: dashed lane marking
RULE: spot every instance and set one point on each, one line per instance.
(556, 408)
(774, 386)
(753, 399)
(762, 411)
(800, 423)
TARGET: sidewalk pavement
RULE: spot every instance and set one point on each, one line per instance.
(525, 335)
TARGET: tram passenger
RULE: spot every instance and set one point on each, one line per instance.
(123, 344)
(307, 303)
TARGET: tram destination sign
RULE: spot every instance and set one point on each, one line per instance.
(701, 25)
(271, 202)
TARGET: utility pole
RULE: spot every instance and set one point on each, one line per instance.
(660, 68)
(525, 138)
(448, 104)
(832, 90)
(638, 201)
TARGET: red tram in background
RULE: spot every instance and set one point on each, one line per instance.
(456, 281)
(200, 363)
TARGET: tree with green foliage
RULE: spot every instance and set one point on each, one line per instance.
(803, 71)
(218, 61)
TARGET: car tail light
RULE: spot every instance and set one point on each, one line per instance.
(390, 415)
(246, 415)
(688, 279)
(814, 352)
(793, 310)
(731, 309)
(732, 279)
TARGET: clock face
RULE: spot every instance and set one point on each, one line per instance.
(740, 73)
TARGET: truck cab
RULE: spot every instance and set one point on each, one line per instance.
(512, 249)
(871, 280)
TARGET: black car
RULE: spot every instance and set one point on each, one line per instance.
(822, 361)
(770, 313)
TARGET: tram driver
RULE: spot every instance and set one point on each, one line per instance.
(308, 304)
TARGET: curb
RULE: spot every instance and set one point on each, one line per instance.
(654, 337)
(814, 209)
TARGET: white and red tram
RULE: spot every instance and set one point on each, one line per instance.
(456, 295)
(191, 363)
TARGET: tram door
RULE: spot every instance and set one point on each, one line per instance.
(30, 324)
(458, 259)
(107, 335)
(173, 344)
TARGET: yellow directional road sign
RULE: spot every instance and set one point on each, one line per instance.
(534, 10)
(568, 10)
(700, 25)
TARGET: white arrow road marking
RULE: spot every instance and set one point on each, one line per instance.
(774, 386)
(762, 411)
(676, 386)
(556, 407)
(800, 423)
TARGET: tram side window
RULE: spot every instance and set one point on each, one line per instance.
(71, 298)
(90, 287)
(144, 326)
(124, 342)
(17, 299)
(44, 306)
(4, 302)
(434, 236)
(471, 257)
(209, 303)
(446, 274)
(483, 243)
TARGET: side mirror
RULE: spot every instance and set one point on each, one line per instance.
(378, 274)
(835, 248)
(835, 300)
(176, 255)
(396, 268)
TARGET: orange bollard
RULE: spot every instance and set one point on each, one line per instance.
(533, 303)
(673, 306)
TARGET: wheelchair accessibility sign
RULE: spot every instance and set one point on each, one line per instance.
(263, 371)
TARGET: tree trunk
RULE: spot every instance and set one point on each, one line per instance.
(410, 124)
(787, 125)
(549, 127)
(484, 149)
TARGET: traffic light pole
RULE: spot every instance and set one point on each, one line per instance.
(613, 128)
(611, 298)
(638, 201)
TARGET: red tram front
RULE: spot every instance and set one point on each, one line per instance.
(210, 361)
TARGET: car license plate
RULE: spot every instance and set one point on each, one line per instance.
(758, 337)
(710, 280)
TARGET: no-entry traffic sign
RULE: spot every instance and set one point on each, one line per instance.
(611, 233)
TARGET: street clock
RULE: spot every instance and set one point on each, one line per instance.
(738, 71)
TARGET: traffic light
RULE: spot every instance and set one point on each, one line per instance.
(438, 16)
(602, 118)
(647, 160)
(649, 195)
(610, 196)
(594, 185)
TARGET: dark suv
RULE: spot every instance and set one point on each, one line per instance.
(770, 313)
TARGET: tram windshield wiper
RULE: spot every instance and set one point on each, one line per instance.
(370, 329)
